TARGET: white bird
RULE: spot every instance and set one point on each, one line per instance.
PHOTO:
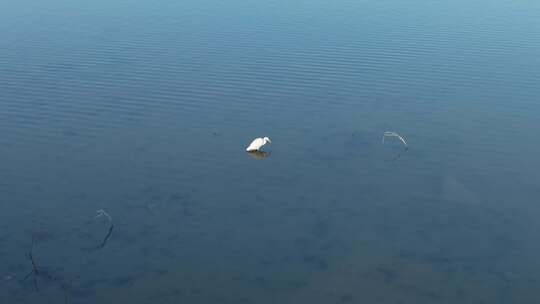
(257, 144)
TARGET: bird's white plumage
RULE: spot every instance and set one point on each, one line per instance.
(257, 143)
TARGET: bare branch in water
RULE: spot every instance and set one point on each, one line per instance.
(34, 272)
(40, 272)
(394, 134)
(101, 213)
(104, 242)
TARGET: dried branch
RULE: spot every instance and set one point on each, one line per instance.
(35, 271)
(103, 213)
(104, 242)
(394, 134)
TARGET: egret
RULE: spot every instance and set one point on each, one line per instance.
(257, 144)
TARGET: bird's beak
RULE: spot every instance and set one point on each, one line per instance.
(269, 141)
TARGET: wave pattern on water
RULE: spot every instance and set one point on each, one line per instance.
(144, 110)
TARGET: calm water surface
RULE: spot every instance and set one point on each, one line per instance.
(144, 108)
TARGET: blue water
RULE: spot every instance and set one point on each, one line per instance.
(144, 109)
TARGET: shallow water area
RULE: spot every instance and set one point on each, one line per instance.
(144, 111)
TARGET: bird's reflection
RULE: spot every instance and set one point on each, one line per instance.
(259, 154)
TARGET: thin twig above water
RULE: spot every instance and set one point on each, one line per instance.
(395, 135)
(103, 213)
(34, 273)
(104, 242)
